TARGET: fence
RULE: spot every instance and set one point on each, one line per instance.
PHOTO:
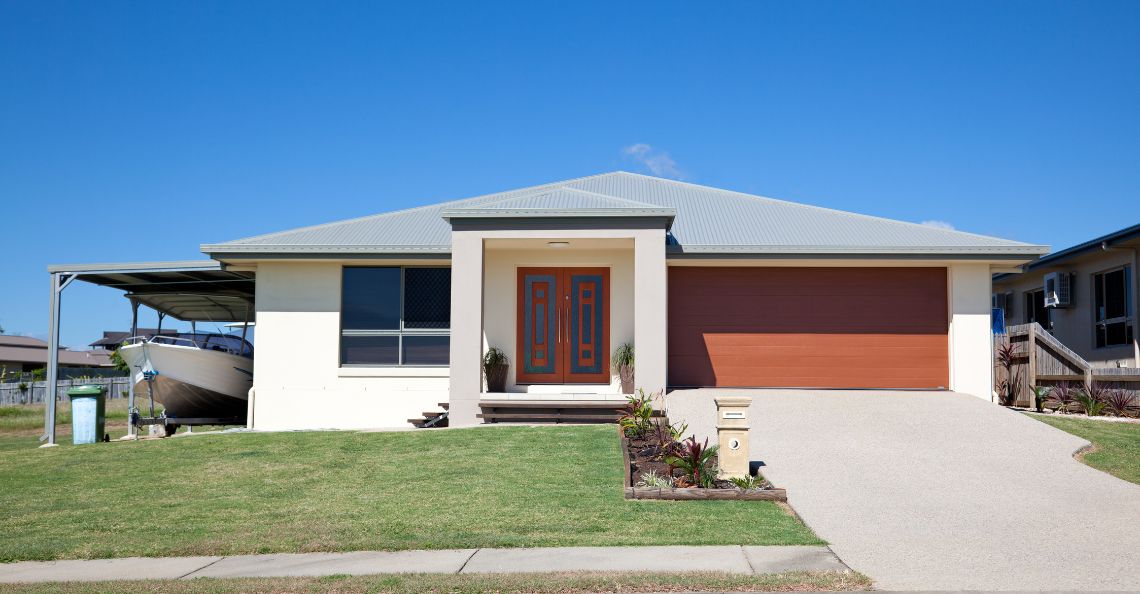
(1042, 360)
(34, 392)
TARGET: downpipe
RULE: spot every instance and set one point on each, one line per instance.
(249, 407)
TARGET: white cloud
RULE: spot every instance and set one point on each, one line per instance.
(938, 225)
(657, 161)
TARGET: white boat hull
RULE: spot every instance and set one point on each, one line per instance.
(191, 382)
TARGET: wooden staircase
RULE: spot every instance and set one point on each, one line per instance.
(432, 419)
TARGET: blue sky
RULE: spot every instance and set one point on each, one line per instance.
(137, 131)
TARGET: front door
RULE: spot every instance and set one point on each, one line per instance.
(563, 326)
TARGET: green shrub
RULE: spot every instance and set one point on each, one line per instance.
(697, 460)
(652, 479)
(637, 414)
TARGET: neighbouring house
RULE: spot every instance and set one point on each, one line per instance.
(367, 322)
(23, 353)
(1085, 296)
(112, 339)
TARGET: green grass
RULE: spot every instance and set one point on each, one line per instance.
(1116, 446)
(336, 491)
(504, 583)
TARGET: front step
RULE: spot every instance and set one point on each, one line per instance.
(550, 411)
(432, 419)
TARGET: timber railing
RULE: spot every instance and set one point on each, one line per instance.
(1046, 361)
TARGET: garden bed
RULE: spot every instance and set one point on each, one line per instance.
(643, 460)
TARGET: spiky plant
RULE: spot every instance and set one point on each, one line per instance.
(1091, 397)
(1118, 401)
(1007, 356)
(637, 414)
(1064, 395)
(697, 460)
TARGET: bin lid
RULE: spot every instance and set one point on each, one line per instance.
(87, 390)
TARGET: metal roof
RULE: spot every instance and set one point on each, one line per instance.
(708, 221)
(192, 291)
(1124, 234)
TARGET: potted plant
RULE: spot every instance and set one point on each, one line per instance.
(623, 361)
(495, 366)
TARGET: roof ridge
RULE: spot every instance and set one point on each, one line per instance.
(826, 209)
(538, 193)
(402, 211)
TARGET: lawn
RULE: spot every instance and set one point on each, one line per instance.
(501, 583)
(336, 491)
(1116, 446)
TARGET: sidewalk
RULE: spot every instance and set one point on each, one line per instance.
(729, 559)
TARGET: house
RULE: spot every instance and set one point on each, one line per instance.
(24, 353)
(113, 339)
(1085, 296)
(712, 287)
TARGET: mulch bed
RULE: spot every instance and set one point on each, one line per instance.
(642, 456)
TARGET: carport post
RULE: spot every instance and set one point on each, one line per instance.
(132, 431)
(53, 357)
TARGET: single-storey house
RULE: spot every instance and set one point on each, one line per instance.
(19, 354)
(367, 322)
(1086, 296)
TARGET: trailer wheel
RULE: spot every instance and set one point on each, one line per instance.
(170, 429)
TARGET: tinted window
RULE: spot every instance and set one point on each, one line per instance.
(426, 350)
(427, 298)
(371, 299)
(370, 350)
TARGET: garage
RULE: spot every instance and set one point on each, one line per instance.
(806, 327)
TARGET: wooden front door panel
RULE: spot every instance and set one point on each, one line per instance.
(808, 327)
(563, 325)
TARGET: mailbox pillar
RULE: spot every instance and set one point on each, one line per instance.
(732, 435)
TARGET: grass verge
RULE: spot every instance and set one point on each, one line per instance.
(1116, 446)
(564, 583)
(242, 493)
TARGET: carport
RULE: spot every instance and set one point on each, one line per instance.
(189, 291)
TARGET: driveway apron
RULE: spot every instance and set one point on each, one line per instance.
(939, 490)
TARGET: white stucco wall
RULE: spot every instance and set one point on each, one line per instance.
(298, 381)
(971, 354)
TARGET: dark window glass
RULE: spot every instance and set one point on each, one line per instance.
(1114, 295)
(1035, 310)
(427, 350)
(427, 298)
(370, 350)
(370, 299)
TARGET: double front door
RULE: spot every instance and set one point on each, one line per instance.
(563, 326)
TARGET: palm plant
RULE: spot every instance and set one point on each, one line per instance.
(1009, 387)
(1040, 394)
(1092, 398)
(697, 460)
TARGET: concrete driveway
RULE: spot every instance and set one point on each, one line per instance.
(938, 490)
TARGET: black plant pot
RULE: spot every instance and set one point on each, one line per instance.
(497, 377)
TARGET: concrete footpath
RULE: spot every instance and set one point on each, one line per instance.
(674, 559)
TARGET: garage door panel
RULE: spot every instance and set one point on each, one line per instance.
(809, 327)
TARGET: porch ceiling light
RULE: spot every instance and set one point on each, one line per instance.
(558, 244)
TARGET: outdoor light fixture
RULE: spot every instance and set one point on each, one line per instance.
(558, 244)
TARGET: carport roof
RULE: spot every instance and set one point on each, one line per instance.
(705, 221)
(193, 291)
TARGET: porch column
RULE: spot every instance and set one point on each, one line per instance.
(971, 334)
(650, 316)
(466, 327)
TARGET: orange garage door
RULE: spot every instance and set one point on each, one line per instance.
(808, 327)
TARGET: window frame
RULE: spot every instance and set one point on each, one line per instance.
(1129, 315)
(400, 332)
(1029, 301)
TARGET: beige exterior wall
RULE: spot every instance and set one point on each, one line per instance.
(1073, 325)
(971, 334)
(298, 382)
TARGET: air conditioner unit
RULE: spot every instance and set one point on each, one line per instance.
(1058, 289)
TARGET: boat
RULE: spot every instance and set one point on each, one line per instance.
(199, 378)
